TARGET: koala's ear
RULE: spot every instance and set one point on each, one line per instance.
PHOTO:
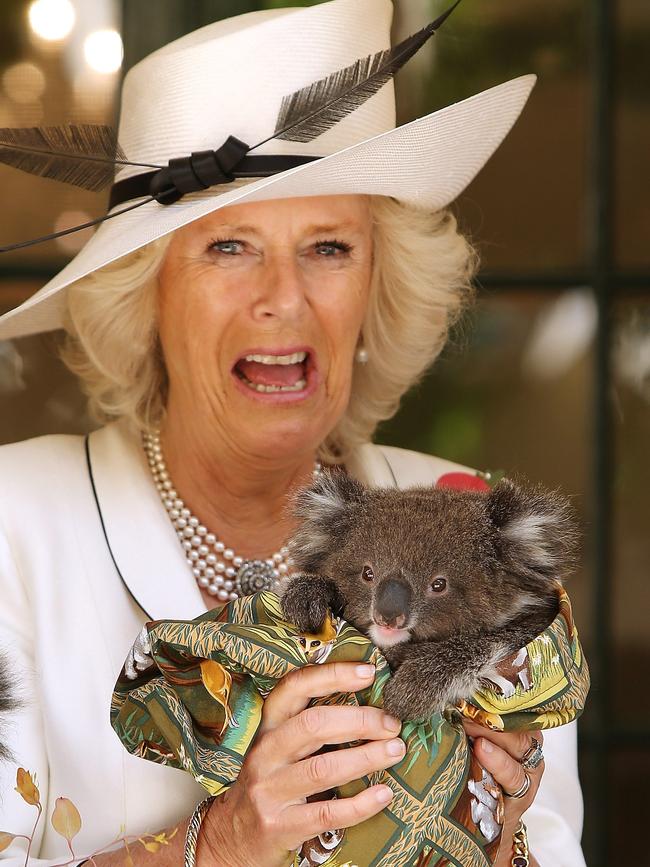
(325, 509)
(536, 533)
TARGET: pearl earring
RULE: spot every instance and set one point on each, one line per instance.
(362, 355)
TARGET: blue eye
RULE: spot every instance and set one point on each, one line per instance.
(224, 242)
(334, 245)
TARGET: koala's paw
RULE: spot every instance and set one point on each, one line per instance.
(410, 698)
(303, 605)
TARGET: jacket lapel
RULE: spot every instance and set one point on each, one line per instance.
(139, 534)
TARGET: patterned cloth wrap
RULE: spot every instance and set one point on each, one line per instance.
(191, 693)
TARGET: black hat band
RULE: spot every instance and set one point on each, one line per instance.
(201, 170)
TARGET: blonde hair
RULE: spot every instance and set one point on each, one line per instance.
(421, 279)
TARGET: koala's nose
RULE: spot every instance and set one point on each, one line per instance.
(392, 603)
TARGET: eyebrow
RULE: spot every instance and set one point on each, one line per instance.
(314, 229)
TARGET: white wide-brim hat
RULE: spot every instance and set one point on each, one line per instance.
(229, 79)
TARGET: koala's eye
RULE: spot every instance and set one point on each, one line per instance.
(367, 574)
(439, 585)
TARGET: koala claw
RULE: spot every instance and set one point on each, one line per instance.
(315, 616)
(308, 613)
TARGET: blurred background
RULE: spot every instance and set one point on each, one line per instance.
(550, 374)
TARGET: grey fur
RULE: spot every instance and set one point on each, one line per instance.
(8, 702)
(499, 553)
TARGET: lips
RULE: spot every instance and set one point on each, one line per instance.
(277, 372)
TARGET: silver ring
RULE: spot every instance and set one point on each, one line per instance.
(522, 790)
(533, 757)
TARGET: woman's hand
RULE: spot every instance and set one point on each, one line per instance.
(500, 753)
(264, 817)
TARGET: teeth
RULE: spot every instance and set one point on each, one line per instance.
(297, 357)
(271, 388)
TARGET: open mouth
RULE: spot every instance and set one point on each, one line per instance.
(275, 374)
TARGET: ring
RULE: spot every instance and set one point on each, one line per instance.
(521, 791)
(533, 757)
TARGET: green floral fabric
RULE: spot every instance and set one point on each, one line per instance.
(191, 694)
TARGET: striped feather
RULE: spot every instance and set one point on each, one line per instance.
(84, 155)
(312, 110)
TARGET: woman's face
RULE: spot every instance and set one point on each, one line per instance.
(260, 309)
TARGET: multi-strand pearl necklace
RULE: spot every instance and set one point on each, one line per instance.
(216, 568)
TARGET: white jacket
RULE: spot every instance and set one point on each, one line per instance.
(69, 614)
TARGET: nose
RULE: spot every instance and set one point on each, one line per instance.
(281, 291)
(392, 602)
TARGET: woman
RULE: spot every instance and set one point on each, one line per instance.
(261, 328)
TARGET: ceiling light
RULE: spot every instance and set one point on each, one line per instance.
(104, 51)
(52, 20)
(23, 82)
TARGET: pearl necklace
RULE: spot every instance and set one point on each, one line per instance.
(216, 568)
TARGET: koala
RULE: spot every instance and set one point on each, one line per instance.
(8, 702)
(445, 582)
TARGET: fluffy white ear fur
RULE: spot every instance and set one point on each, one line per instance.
(323, 508)
(535, 536)
(324, 500)
(535, 527)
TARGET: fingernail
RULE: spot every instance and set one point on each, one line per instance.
(392, 724)
(365, 671)
(395, 747)
(487, 745)
(384, 794)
